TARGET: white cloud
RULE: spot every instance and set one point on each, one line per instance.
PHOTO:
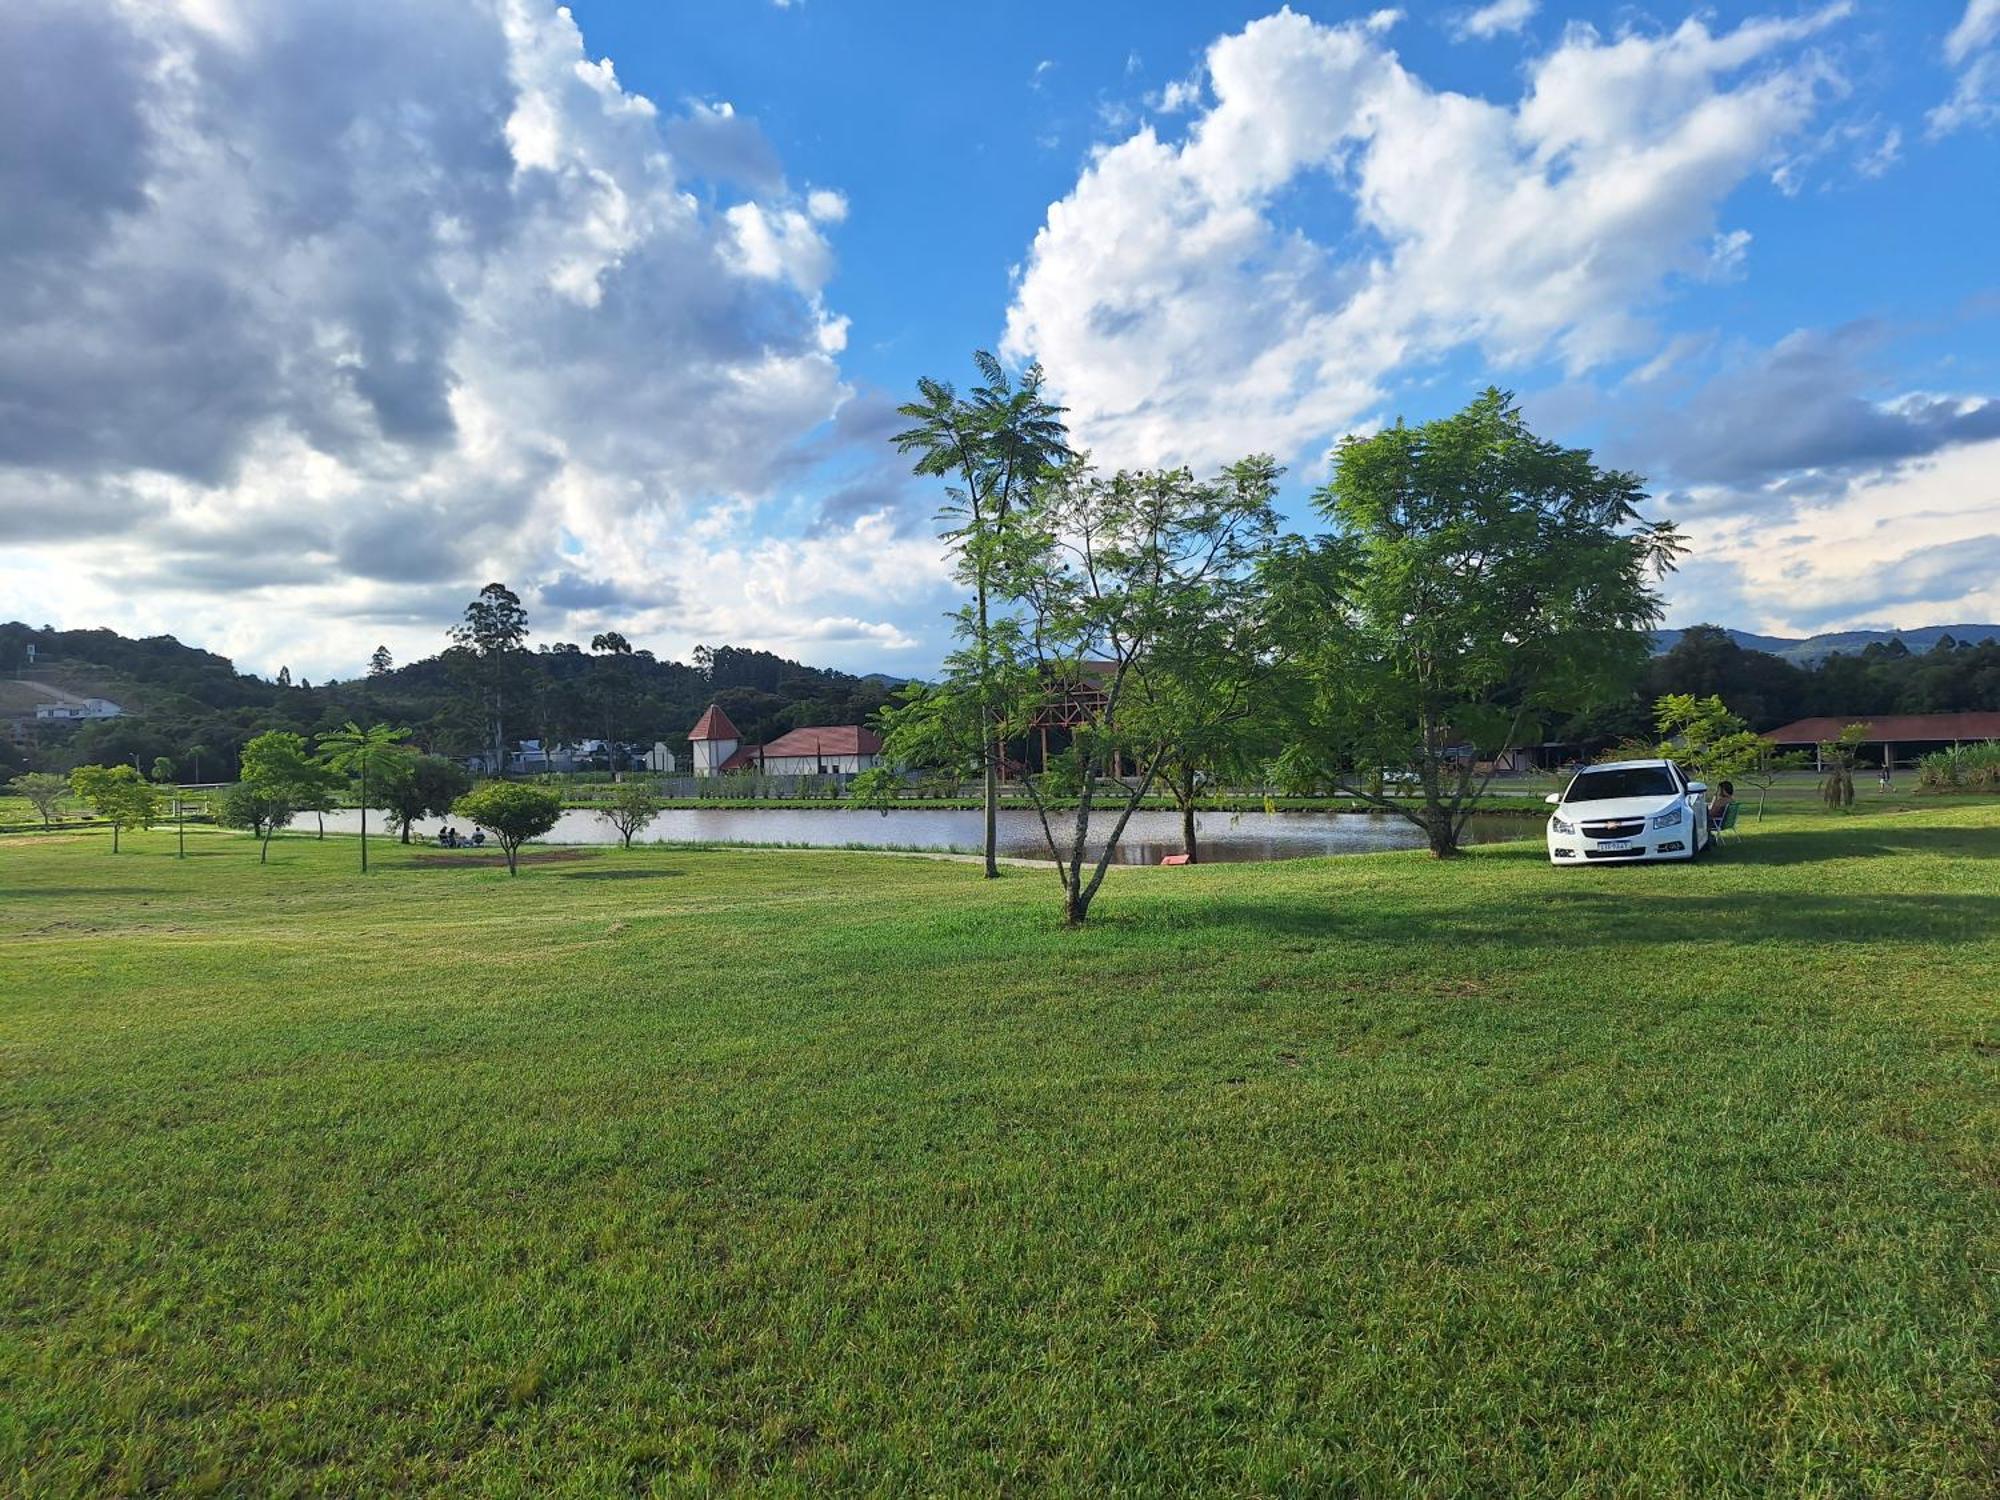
(1491, 20)
(1182, 318)
(1976, 29)
(1969, 48)
(1913, 545)
(320, 314)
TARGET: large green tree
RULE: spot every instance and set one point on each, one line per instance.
(1480, 583)
(999, 443)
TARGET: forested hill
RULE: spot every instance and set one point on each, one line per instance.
(1810, 650)
(183, 700)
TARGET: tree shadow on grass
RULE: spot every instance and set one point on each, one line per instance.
(1612, 919)
(1863, 841)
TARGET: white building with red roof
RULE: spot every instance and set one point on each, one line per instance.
(818, 750)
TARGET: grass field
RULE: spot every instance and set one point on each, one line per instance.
(679, 1171)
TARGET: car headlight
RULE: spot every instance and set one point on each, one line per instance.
(1561, 827)
(1669, 819)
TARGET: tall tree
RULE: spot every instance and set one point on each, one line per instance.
(364, 754)
(613, 688)
(380, 663)
(1481, 581)
(491, 636)
(1000, 442)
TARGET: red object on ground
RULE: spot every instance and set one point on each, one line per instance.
(1174, 859)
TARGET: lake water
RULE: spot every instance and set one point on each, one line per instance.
(1148, 838)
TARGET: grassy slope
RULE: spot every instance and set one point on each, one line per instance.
(683, 1168)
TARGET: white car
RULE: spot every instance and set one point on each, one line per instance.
(1630, 810)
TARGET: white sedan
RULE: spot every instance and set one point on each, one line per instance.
(1629, 810)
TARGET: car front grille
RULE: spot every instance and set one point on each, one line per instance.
(1613, 853)
(1629, 828)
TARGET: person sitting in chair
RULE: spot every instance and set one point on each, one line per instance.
(1718, 803)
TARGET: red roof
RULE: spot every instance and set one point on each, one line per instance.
(1894, 729)
(817, 740)
(714, 725)
(826, 739)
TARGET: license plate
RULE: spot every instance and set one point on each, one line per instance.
(1617, 844)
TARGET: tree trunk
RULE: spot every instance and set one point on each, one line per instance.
(1187, 832)
(1076, 905)
(321, 818)
(406, 832)
(264, 850)
(1443, 839)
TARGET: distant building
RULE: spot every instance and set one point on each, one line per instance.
(79, 708)
(819, 750)
(1893, 736)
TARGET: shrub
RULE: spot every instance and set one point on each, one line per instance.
(1964, 768)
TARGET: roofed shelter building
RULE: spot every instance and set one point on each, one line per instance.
(1893, 737)
(817, 750)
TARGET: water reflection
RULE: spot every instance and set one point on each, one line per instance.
(1148, 838)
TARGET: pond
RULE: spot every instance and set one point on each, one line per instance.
(1149, 837)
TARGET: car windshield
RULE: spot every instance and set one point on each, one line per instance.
(1621, 781)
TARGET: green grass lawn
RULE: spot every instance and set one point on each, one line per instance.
(678, 1171)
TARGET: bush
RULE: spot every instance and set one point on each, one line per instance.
(1964, 768)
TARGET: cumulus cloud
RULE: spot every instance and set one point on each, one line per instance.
(407, 294)
(1971, 49)
(1491, 20)
(1184, 316)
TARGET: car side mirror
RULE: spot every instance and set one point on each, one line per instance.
(1554, 799)
(1697, 786)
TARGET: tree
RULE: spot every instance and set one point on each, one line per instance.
(1121, 595)
(261, 808)
(421, 786)
(284, 677)
(1837, 758)
(380, 663)
(490, 636)
(512, 813)
(1706, 738)
(195, 753)
(363, 754)
(632, 807)
(44, 791)
(1481, 582)
(278, 764)
(118, 795)
(1000, 443)
(1770, 763)
(163, 769)
(612, 693)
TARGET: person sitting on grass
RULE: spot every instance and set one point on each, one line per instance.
(1718, 803)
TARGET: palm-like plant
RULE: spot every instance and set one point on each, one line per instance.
(357, 752)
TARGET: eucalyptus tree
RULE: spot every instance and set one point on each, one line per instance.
(487, 657)
(998, 443)
(1480, 582)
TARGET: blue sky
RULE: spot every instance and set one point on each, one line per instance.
(322, 313)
